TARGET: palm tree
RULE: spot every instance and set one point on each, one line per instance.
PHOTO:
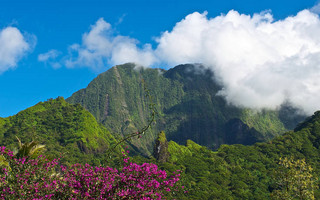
(30, 149)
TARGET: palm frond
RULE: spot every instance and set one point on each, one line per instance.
(30, 149)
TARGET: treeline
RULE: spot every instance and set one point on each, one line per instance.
(231, 172)
(64, 129)
(287, 167)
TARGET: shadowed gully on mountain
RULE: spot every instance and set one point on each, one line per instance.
(187, 104)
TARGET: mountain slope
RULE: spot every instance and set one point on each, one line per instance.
(62, 127)
(187, 103)
(245, 172)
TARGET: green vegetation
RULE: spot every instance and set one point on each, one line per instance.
(30, 149)
(265, 121)
(294, 180)
(187, 104)
(252, 172)
(160, 151)
(190, 113)
(66, 130)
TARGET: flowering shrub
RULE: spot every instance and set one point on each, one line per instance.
(43, 179)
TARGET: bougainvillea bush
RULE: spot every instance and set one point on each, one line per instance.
(40, 178)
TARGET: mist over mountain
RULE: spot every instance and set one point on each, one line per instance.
(260, 62)
(189, 110)
(216, 100)
(188, 105)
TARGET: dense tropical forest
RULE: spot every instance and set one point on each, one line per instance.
(198, 146)
(187, 105)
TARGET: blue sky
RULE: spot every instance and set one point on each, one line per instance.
(56, 25)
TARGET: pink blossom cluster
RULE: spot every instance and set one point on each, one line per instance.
(45, 179)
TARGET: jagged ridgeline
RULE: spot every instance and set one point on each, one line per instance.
(187, 104)
(63, 128)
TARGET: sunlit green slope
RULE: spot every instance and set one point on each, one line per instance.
(187, 104)
(62, 127)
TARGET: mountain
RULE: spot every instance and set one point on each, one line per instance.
(62, 127)
(188, 108)
(252, 171)
(187, 103)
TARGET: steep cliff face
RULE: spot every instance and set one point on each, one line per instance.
(186, 101)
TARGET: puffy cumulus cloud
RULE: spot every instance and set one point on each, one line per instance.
(261, 63)
(13, 46)
(100, 46)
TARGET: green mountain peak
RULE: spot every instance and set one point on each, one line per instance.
(187, 103)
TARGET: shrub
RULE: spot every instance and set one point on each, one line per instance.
(40, 178)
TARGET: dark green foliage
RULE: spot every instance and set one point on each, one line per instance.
(186, 101)
(188, 108)
(238, 132)
(245, 172)
(63, 128)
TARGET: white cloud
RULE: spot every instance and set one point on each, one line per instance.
(316, 8)
(52, 54)
(13, 46)
(50, 58)
(260, 62)
(100, 47)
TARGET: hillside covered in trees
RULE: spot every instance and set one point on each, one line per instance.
(252, 172)
(232, 172)
(280, 166)
(66, 130)
(187, 104)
